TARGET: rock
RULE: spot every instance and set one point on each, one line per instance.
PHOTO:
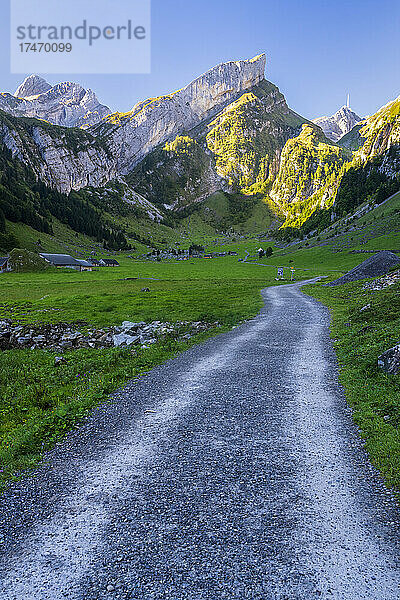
(389, 361)
(65, 344)
(22, 341)
(59, 360)
(124, 339)
(32, 86)
(366, 307)
(374, 266)
(67, 104)
(125, 139)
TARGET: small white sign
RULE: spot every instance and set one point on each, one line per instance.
(80, 36)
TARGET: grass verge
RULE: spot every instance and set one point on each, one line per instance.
(360, 336)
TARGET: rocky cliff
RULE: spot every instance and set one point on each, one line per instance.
(67, 104)
(336, 126)
(236, 150)
(62, 158)
(155, 121)
(309, 168)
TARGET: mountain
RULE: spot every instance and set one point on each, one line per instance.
(309, 168)
(134, 134)
(63, 158)
(32, 86)
(238, 121)
(228, 139)
(66, 104)
(369, 172)
(237, 150)
(336, 126)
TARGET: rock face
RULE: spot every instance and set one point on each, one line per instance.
(379, 133)
(156, 120)
(67, 104)
(61, 158)
(32, 86)
(389, 361)
(374, 266)
(336, 126)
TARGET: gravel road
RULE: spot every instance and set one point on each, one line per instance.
(231, 472)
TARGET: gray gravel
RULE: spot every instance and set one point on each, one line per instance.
(374, 266)
(231, 472)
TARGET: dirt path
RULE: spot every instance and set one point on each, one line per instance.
(231, 472)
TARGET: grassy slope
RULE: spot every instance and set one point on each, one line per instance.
(377, 229)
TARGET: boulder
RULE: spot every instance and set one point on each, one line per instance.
(124, 339)
(389, 361)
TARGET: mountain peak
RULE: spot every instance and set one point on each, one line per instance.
(336, 126)
(32, 86)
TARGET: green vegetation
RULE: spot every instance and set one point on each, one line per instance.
(247, 137)
(367, 182)
(370, 174)
(25, 200)
(306, 181)
(40, 401)
(23, 261)
(360, 337)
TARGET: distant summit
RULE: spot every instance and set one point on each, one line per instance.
(67, 104)
(32, 86)
(336, 126)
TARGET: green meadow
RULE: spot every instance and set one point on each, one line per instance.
(40, 402)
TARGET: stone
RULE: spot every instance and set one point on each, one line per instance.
(366, 307)
(389, 361)
(59, 360)
(124, 339)
(376, 265)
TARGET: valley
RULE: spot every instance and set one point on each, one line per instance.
(197, 331)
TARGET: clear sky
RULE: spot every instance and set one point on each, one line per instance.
(317, 50)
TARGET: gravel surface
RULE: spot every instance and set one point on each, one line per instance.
(374, 266)
(233, 471)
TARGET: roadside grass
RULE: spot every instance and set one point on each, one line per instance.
(40, 402)
(359, 338)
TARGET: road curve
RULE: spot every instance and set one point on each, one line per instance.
(231, 472)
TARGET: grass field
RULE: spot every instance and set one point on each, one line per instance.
(39, 402)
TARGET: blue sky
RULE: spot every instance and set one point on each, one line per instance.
(317, 51)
